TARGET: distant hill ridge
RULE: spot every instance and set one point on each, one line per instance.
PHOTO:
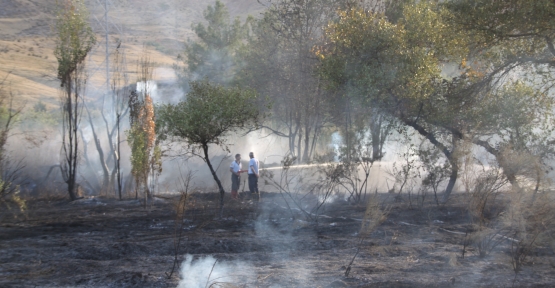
(27, 41)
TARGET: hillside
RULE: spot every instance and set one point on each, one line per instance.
(163, 26)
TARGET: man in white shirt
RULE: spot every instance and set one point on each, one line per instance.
(235, 169)
(253, 174)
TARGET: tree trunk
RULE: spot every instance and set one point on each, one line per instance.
(511, 177)
(378, 138)
(71, 146)
(113, 181)
(314, 140)
(95, 185)
(71, 189)
(448, 154)
(222, 191)
(299, 141)
(452, 180)
(118, 168)
(454, 161)
(306, 143)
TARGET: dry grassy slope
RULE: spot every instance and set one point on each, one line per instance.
(27, 43)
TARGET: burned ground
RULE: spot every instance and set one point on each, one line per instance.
(101, 242)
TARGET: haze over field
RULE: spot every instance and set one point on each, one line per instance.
(397, 143)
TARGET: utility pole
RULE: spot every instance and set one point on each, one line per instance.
(106, 30)
(110, 90)
(105, 27)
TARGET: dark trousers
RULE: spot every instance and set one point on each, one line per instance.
(253, 183)
(235, 182)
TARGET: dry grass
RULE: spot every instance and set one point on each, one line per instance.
(27, 42)
(33, 73)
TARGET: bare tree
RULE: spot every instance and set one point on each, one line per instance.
(119, 79)
(112, 109)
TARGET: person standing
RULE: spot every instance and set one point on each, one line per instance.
(235, 169)
(253, 174)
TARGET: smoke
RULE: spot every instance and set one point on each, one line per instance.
(286, 237)
(267, 150)
(210, 272)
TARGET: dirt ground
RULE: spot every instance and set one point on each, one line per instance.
(101, 242)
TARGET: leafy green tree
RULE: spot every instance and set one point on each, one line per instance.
(209, 114)
(396, 67)
(432, 76)
(74, 41)
(512, 39)
(513, 31)
(516, 123)
(212, 56)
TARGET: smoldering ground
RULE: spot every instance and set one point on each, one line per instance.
(209, 272)
(257, 244)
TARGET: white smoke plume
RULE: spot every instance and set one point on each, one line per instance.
(209, 272)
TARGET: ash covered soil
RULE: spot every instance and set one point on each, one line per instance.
(103, 242)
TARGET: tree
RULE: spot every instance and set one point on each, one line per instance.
(113, 108)
(212, 57)
(142, 134)
(74, 41)
(395, 67)
(516, 31)
(119, 79)
(516, 125)
(209, 114)
(509, 66)
(279, 64)
(416, 71)
(517, 39)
